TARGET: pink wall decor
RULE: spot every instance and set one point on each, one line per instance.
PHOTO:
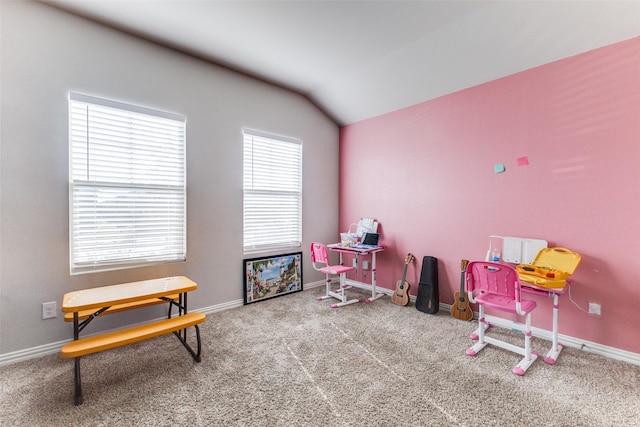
(425, 173)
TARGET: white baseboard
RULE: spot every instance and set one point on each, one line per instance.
(314, 284)
(603, 350)
(31, 353)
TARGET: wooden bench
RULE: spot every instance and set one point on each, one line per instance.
(96, 343)
(84, 314)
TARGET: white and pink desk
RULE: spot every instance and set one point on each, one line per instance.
(358, 252)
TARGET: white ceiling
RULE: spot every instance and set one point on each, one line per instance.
(359, 59)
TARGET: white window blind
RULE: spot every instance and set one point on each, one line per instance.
(272, 191)
(127, 185)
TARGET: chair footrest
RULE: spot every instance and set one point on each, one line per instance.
(347, 302)
(96, 343)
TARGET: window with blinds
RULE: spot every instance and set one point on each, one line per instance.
(127, 185)
(272, 191)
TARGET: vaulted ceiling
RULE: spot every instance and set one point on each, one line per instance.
(360, 59)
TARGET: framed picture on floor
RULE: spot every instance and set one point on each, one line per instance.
(272, 276)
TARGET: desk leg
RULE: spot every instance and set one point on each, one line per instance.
(196, 354)
(182, 310)
(556, 347)
(374, 294)
(182, 334)
(77, 382)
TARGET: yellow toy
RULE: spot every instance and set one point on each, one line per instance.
(550, 268)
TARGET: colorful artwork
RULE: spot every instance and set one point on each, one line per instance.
(270, 277)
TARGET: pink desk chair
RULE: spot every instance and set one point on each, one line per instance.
(497, 286)
(320, 260)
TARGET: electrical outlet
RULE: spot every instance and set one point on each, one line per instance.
(49, 310)
(365, 265)
(594, 309)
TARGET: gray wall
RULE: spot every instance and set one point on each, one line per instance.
(45, 53)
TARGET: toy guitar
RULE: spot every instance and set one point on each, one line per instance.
(401, 294)
(460, 309)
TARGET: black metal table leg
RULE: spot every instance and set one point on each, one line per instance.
(78, 384)
(182, 336)
(76, 379)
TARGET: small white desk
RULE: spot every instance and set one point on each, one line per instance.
(337, 247)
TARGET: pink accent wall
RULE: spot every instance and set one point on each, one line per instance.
(427, 174)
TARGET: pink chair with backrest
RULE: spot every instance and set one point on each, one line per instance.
(321, 262)
(497, 286)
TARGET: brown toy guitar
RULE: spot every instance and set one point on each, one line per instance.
(460, 309)
(401, 294)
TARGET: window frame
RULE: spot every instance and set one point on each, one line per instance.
(141, 190)
(255, 240)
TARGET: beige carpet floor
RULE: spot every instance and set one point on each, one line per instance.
(293, 361)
